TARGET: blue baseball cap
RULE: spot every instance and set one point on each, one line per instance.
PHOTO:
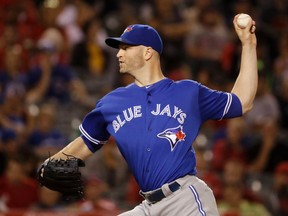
(138, 34)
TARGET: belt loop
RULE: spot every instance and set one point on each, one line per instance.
(156, 195)
(142, 194)
(166, 190)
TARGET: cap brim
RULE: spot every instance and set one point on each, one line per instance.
(115, 42)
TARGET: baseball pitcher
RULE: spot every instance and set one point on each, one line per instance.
(155, 121)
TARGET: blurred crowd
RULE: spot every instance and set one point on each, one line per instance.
(54, 66)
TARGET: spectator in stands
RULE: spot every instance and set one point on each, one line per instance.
(235, 172)
(275, 16)
(8, 38)
(45, 138)
(266, 108)
(237, 198)
(132, 194)
(49, 201)
(167, 17)
(14, 113)
(204, 169)
(234, 204)
(275, 194)
(281, 77)
(17, 189)
(110, 167)
(283, 103)
(73, 16)
(95, 200)
(93, 62)
(280, 190)
(10, 144)
(14, 76)
(206, 40)
(177, 69)
(55, 75)
(231, 147)
(265, 153)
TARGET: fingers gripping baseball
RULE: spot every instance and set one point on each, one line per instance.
(245, 28)
(63, 176)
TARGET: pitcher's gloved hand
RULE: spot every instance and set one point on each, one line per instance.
(63, 176)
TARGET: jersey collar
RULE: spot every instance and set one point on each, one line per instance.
(155, 87)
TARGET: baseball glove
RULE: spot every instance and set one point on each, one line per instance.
(63, 176)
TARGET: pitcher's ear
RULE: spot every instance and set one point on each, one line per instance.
(148, 53)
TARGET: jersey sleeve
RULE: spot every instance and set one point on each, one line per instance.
(93, 129)
(218, 105)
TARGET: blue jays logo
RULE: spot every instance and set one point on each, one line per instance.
(173, 135)
(128, 29)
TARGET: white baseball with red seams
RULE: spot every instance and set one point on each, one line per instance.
(243, 20)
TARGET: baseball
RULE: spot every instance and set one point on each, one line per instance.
(243, 20)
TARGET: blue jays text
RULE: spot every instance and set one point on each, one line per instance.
(135, 112)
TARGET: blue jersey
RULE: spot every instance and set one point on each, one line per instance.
(155, 126)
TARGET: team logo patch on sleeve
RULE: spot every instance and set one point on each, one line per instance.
(173, 135)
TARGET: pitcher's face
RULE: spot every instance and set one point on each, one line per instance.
(131, 58)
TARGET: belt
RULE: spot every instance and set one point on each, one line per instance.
(158, 195)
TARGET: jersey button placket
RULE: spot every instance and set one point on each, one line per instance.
(148, 98)
(148, 149)
(149, 129)
(149, 103)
